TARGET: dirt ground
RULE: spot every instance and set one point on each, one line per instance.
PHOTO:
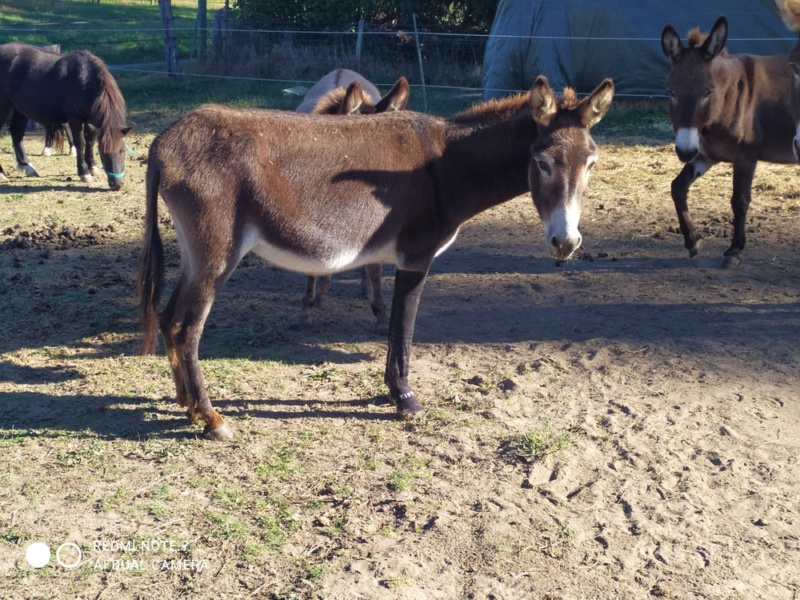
(624, 425)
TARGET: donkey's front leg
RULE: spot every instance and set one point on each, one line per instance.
(407, 290)
(680, 191)
(743, 173)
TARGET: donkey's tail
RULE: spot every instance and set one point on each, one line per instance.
(151, 262)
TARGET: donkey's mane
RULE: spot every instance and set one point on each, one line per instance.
(695, 38)
(494, 110)
(500, 109)
(330, 102)
(108, 107)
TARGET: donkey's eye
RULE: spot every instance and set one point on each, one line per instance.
(543, 166)
(706, 96)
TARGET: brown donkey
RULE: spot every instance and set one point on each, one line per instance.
(319, 195)
(725, 108)
(363, 98)
(790, 12)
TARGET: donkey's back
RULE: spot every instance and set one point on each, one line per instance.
(309, 193)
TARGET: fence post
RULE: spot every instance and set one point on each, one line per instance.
(419, 58)
(359, 39)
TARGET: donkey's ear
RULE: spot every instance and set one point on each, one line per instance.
(353, 99)
(715, 41)
(671, 44)
(396, 98)
(543, 101)
(125, 131)
(596, 105)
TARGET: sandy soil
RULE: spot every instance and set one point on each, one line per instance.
(623, 425)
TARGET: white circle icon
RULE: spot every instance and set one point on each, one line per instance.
(37, 555)
(73, 549)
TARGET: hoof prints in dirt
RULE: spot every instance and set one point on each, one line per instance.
(55, 236)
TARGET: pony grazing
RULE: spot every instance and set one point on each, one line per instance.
(74, 88)
(318, 195)
(725, 108)
(329, 97)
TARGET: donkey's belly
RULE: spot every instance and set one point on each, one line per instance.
(332, 261)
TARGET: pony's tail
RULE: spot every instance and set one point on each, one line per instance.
(151, 262)
(790, 13)
(58, 139)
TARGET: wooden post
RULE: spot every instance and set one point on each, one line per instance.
(170, 41)
(419, 58)
(359, 39)
(202, 28)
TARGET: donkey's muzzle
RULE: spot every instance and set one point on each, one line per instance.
(686, 154)
(563, 247)
(116, 183)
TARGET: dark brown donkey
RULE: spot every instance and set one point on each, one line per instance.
(725, 108)
(319, 195)
(360, 97)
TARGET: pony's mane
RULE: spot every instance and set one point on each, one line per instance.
(331, 102)
(109, 107)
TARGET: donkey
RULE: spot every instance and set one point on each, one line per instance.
(360, 97)
(725, 108)
(318, 195)
(790, 13)
(75, 88)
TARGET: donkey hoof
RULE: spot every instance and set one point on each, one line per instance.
(729, 260)
(221, 433)
(694, 250)
(47, 152)
(87, 178)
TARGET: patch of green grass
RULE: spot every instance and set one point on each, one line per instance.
(536, 445)
(115, 500)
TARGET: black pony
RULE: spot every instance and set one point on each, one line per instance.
(74, 88)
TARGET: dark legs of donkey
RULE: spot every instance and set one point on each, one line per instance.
(51, 133)
(740, 201)
(19, 123)
(318, 288)
(680, 192)
(407, 290)
(371, 284)
(181, 326)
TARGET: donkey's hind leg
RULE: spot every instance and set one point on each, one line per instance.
(182, 326)
(371, 283)
(17, 128)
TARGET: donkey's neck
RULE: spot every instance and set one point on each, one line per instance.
(486, 163)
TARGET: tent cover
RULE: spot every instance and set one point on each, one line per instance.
(579, 42)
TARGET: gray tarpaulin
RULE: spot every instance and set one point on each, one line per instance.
(579, 42)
